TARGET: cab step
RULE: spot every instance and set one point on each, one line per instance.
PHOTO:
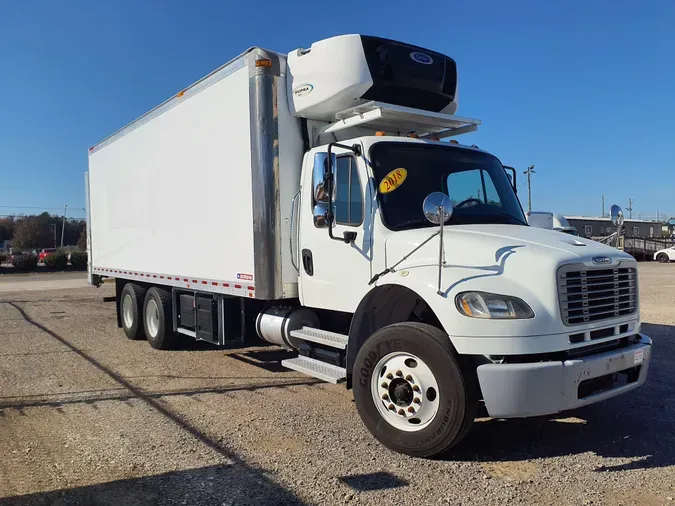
(317, 369)
(331, 339)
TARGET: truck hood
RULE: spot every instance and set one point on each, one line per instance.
(513, 260)
(483, 245)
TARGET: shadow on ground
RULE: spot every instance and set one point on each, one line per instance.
(234, 483)
(223, 484)
(637, 426)
(373, 481)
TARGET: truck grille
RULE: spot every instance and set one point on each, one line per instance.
(596, 294)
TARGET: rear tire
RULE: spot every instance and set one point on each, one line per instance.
(663, 258)
(131, 311)
(157, 319)
(426, 421)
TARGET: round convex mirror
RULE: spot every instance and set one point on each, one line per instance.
(437, 204)
(616, 215)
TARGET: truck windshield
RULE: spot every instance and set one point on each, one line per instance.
(475, 182)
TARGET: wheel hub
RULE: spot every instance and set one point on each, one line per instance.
(401, 392)
(405, 391)
(127, 311)
(152, 318)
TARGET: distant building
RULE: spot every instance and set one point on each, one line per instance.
(601, 227)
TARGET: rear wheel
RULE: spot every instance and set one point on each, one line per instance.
(157, 319)
(412, 391)
(663, 258)
(131, 310)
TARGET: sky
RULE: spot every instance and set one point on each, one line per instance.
(585, 91)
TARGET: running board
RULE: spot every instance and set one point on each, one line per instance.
(317, 369)
(331, 339)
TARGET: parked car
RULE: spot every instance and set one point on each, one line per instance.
(43, 253)
(10, 258)
(665, 255)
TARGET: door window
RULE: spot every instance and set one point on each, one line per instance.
(348, 195)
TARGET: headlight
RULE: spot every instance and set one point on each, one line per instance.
(492, 305)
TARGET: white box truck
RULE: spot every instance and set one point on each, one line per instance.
(326, 212)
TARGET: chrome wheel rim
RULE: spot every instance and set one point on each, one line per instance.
(128, 311)
(405, 391)
(152, 318)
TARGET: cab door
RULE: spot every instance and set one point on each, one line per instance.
(334, 272)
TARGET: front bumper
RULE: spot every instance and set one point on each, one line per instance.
(543, 388)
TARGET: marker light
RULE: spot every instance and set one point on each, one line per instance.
(263, 63)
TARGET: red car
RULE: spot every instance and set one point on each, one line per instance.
(43, 254)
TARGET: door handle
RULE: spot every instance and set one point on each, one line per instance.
(307, 262)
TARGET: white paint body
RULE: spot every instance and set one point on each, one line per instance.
(173, 196)
(217, 167)
(149, 189)
(185, 177)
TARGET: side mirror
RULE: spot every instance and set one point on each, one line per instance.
(437, 208)
(511, 174)
(319, 176)
(616, 216)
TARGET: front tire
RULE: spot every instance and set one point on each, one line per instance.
(157, 319)
(131, 311)
(663, 258)
(412, 391)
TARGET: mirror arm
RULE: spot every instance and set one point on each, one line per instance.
(349, 237)
(441, 214)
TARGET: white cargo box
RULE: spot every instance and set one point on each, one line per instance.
(197, 192)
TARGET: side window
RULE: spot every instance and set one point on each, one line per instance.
(348, 194)
(636, 231)
(588, 230)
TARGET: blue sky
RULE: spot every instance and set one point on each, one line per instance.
(583, 90)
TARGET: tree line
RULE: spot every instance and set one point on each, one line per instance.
(37, 231)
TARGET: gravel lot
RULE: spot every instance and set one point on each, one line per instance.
(89, 417)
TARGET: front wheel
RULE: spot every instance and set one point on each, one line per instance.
(411, 390)
(663, 258)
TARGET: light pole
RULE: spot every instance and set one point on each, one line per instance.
(529, 172)
(63, 227)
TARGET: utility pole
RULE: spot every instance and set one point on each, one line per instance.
(630, 208)
(529, 172)
(63, 227)
(603, 206)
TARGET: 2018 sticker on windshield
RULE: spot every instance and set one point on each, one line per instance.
(393, 180)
